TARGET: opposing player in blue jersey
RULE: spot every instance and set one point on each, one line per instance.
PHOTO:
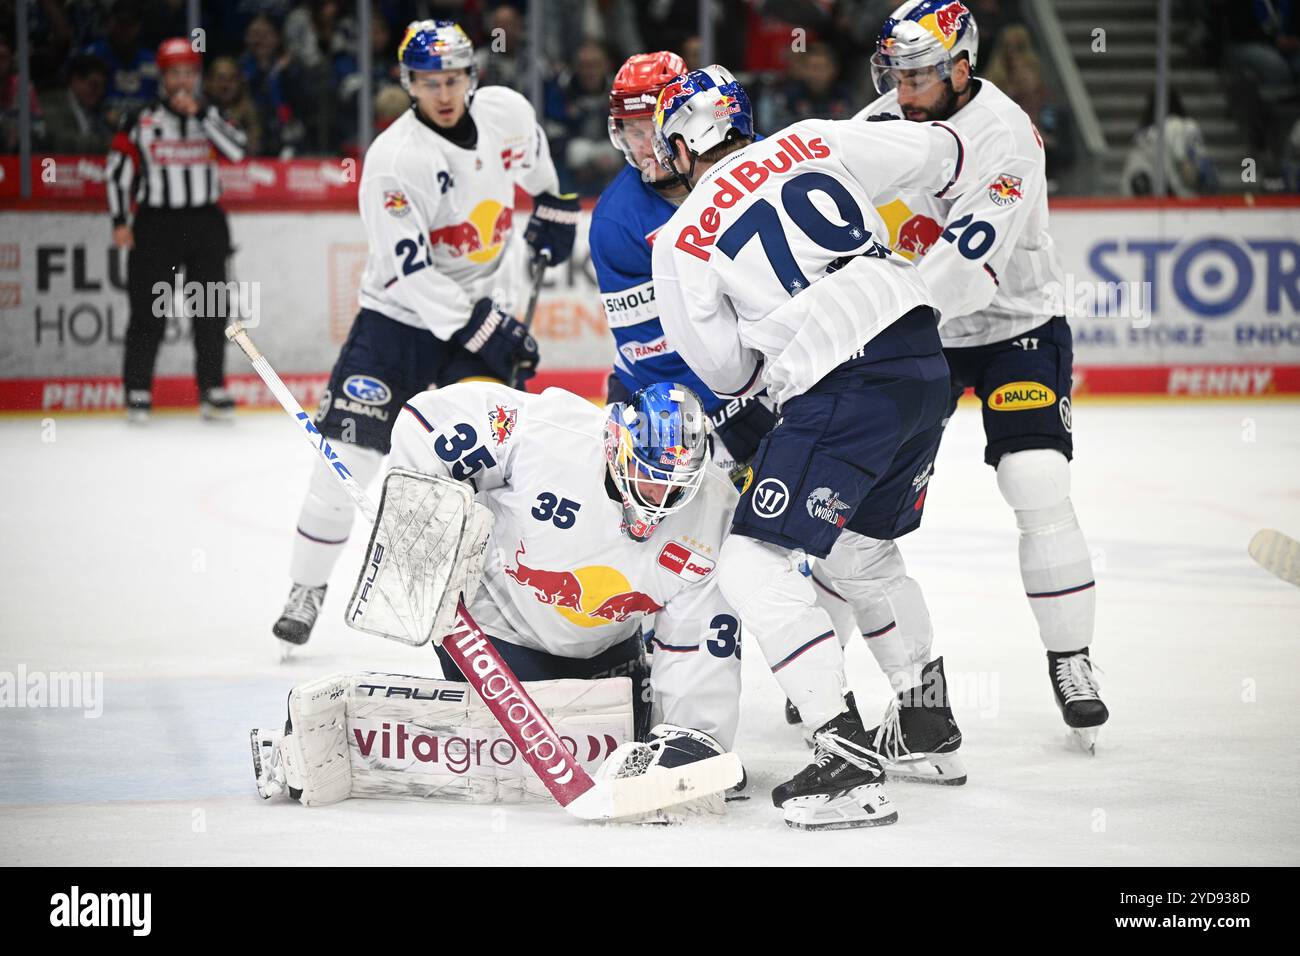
(630, 213)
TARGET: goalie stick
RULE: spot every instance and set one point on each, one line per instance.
(506, 697)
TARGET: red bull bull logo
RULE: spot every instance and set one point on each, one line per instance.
(481, 237)
(917, 234)
(681, 89)
(945, 22)
(589, 597)
(1006, 189)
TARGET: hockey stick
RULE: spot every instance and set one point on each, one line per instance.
(539, 273)
(508, 700)
(1278, 553)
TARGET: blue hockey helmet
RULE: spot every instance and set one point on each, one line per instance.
(431, 45)
(702, 108)
(657, 450)
(924, 35)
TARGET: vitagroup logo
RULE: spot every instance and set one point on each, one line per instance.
(75, 909)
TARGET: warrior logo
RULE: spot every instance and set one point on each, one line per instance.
(825, 505)
(770, 498)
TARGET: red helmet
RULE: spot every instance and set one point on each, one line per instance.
(177, 51)
(636, 89)
(639, 80)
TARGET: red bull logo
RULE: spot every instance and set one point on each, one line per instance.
(502, 421)
(917, 234)
(725, 106)
(675, 455)
(481, 237)
(677, 90)
(589, 597)
(945, 22)
(1006, 189)
(559, 588)
(396, 203)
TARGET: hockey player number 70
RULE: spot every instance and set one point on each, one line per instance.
(508, 700)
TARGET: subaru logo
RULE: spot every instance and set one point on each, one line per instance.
(367, 390)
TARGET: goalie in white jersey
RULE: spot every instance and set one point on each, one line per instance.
(442, 280)
(992, 267)
(770, 275)
(607, 528)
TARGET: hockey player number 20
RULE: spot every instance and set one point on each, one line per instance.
(761, 219)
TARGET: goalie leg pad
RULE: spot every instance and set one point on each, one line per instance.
(391, 736)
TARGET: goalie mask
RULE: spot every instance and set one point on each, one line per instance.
(656, 448)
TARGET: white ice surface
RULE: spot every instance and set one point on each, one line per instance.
(158, 557)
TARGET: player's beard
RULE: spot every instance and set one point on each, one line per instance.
(942, 110)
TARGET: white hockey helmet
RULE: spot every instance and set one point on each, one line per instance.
(702, 108)
(430, 45)
(924, 34)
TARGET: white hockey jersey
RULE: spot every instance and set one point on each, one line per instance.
(988, 256)
(440, 219)
(559, 575)
(736, 267)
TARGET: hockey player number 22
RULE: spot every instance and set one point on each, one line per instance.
(761, 219)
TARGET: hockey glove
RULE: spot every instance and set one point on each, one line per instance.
(503, 344)
(552, 226)
(741, 429)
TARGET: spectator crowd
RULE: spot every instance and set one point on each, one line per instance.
(288, 71)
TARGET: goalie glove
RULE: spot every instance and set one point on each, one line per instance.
(552, 226)
(501, 342)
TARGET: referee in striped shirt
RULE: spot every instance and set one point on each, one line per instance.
(162, 166)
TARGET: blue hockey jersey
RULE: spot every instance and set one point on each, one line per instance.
(627, 217)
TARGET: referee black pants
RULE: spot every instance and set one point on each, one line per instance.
(166, 242)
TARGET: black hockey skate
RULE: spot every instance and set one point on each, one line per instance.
(918, 736)
(217, 405)
(844, 785)
(299, 615)
(139, 403)
(1078, 696)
